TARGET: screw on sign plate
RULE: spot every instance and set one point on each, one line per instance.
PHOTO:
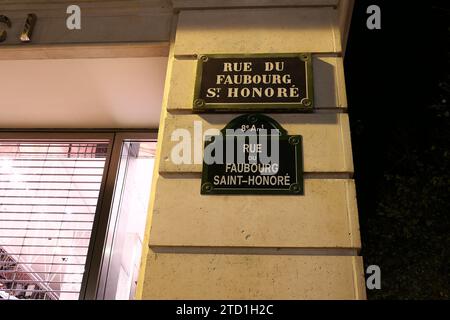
(199, 103)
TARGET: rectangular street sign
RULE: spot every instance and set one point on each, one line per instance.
(236, 83)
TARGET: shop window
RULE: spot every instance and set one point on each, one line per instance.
(59, 216)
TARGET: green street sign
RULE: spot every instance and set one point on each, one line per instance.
(253, 155)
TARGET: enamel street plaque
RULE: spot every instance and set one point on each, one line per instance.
(236, 83)
(253, 155)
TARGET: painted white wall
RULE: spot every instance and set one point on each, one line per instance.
(82, 93)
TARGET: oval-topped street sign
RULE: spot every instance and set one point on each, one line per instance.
(253, 155)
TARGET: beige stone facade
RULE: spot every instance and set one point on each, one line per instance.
(249, 246)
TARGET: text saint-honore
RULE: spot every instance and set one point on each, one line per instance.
(264, 175)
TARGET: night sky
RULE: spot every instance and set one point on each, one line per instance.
(398, 92)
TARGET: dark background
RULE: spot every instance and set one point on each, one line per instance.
(398, 91)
